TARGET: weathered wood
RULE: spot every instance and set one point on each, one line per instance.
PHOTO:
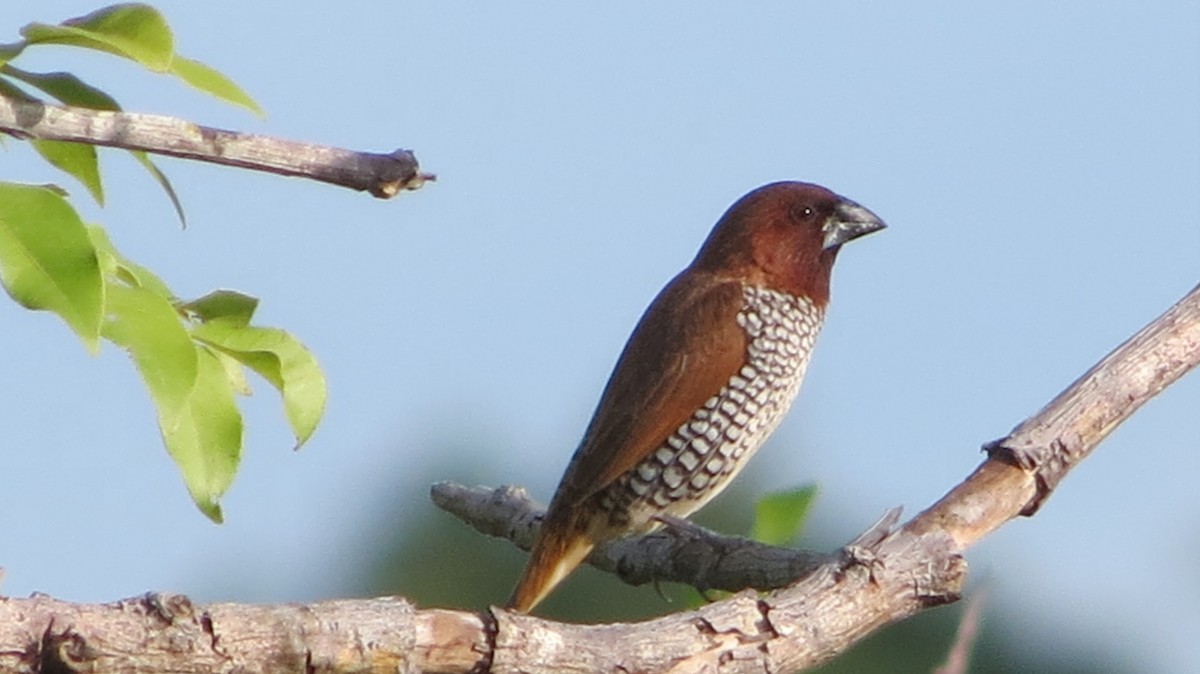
(383, 175)
(882, 577)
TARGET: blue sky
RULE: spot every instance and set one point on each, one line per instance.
(1038, 165)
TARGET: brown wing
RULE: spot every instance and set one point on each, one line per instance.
(684, 349)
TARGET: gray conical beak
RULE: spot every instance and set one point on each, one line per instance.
(848, 222)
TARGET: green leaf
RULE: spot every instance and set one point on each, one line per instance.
(163, 182)
(135, 31)
(145, 324)
(235, 372)
(279, 358)
(121, 268)
(190, 388)
(47, 259)
(228, 305)
(212, 81)
(65, 87)
(140, 33)
(75, 159)
(206, 441)
(779, 516)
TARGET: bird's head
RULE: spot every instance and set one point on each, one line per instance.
(785, 236)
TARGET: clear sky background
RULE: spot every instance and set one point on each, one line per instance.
(1039, 165)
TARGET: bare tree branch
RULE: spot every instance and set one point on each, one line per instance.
(681, 553)
(1050, 443)
(1026, 464)
(1064, 432)
(875, 581)
(383, 175)
(158, 633)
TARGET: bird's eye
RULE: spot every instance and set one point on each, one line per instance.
(803, 213)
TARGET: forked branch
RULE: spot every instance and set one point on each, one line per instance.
(883, 577)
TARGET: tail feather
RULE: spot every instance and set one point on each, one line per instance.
(555, 555)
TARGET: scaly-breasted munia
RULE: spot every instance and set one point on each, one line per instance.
(709, 372)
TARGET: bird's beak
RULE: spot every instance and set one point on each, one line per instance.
(848, 222)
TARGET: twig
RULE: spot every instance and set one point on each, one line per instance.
(683, 554)
(383, 175)
(958, 660)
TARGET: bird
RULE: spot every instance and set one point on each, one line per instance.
(707, 375)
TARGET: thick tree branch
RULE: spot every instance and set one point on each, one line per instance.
(383, 175)
(158, 633)
(875, 581)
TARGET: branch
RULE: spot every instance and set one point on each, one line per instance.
(383, 175)
(875, 581)
(158, 633)
(682, 552)
(1025, 466)
(920, 563)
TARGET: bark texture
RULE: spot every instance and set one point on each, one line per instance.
(822, 606)
(383, 175)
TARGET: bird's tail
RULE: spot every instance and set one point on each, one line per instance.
(555, 555)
